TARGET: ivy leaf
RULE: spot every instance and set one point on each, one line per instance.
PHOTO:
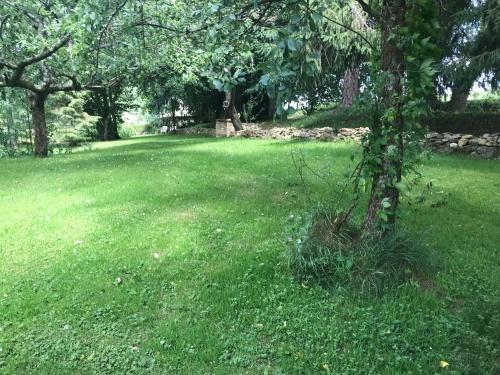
(218, 84)
(264, 80)
(292, 45)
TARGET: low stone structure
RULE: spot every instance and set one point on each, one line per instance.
(486, 146)
(196, 131)
(322, 134)
(224, 128)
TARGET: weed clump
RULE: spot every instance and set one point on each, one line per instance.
(325, 249)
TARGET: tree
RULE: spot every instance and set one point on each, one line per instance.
(401, 78)
(470, 44)
(45, 48)
(67, 122)
(104, 102)
(351, 39)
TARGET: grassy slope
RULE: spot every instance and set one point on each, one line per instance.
(180, 267)
(335, 118)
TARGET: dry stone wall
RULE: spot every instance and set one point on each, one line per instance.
(486, 146)
(196, 131)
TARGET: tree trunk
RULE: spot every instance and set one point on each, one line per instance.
(233, 114)
(384, 197)
(109, 124)
(272, 108)
(172, 110)
(432, 100)
(37, 108)
(106, 123)
(350, 87)
(113, 128)
(459, 96)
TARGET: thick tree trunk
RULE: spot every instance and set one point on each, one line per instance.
(350, 87)
(233, 114)
(459, 96)
(36, 102)
(432, 100)
(272, 108)
(109, 124)
(384, 197)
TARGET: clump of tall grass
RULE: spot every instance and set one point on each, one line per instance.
(323, 248)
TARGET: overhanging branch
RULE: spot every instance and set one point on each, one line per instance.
(369, 10)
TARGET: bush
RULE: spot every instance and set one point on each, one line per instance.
(126, 132)
(318, 251)
(465, 123)
(483, 105)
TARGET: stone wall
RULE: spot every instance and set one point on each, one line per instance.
(322, 134)
(196, 131)
(486, 146)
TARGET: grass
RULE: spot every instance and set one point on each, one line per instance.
(335, 118)
(164, 255)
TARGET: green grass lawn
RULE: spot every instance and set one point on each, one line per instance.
(164, 255)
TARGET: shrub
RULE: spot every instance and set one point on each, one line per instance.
(126, 132)
(465, 123)
(338, 257)
(483, 105)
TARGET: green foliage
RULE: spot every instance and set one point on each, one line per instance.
(126, 132)
(485, 105)
(476, 123)
(67, 120)
(107, 104)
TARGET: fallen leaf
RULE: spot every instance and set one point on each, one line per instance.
(443, 364)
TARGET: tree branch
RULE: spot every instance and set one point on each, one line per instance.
(45, 53)
(350, 29)
(103, 31)
(369, 10)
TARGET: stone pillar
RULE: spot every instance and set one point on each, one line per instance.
(224, 128)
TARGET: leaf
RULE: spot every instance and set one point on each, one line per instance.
(218, 84)
(385, 203)
(291, 44)
(264, 80)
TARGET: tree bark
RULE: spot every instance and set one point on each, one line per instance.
(233, 113)
(384, 191)
(272, 108)
(350, 87)
(459, 96)
(36, 102)
(107, 116)
(109, 123)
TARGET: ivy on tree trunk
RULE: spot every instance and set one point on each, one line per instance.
(387, 132)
